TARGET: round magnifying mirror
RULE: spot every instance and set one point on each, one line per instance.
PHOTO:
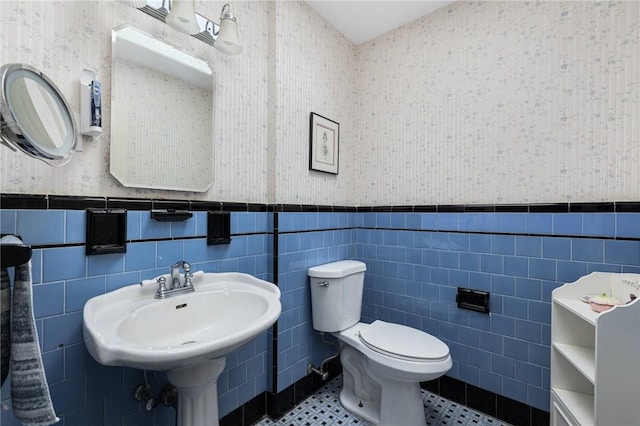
(35, 116)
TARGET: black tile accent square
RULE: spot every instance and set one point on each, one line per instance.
(591, 207)
(23, 201)
(513, 412)
(234, 418)
(280, 403)
(453, 389)
(539, 417)
(129, 204)
(61, 202)
(255, 409)
(549, 208)
(482, 400)
(106, 232)
(628, 207)
(170, 204)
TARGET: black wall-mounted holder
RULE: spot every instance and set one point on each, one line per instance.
(218, 228)
(14, 254)
(170, 215)
(475, 300)
(106, 231)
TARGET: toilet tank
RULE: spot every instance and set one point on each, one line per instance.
(336, 294)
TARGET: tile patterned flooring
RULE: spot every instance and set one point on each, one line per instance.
(323, 409)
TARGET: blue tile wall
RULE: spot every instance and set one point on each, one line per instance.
(415, 262)
(84, 392)
(508, 351)
(305, 240)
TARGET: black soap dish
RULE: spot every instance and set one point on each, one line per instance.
(218, 228)
(106, 231)
(170, 215)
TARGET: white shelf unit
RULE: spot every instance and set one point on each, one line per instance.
(595, 357)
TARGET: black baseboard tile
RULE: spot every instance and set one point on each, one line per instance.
(490, 403)
(513, 412)
(279, 403)
(248, 413)
(481, 400)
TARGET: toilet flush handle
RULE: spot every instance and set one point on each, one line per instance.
(322, 283)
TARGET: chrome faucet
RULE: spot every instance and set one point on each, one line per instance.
(175, 286)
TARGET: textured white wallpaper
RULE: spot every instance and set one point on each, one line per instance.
(491, 102)
(502, 102)
(61, 38)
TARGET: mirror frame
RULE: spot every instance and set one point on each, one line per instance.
(15, 137)
(151, 51)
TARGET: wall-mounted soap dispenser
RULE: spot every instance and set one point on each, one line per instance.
(90, 104)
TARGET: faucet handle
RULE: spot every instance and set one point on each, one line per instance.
(162, 288)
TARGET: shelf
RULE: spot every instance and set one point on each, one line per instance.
(580, 404)
(584, 359)
(579, 308)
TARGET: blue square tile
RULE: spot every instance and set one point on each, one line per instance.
(68, 394)
(429, 221)
(516, 348)
(169, 252)
(62, 330)
(41, 226)
(105, 264)
(513, 222)
(528, 289)
(542, 268)
(514, 307)
(622, 252)
(48, 299)
(492, 263)
(470, 261)
(133, 225)
(528, 246)
(491, 342)
(590, 250)
(539, 223)
(502, 325)
(383, 220)
(63, 263)
(516, 266)
(529, 331)
(503, 285)
(77, 292)
(447, 221)
(570, 271)
(8, 223)
(529, 373)
(76, 228)
(556, 248)
(479, 243)
(567, 224)
(599, 224)
(116, 281)
(540, 311)
(140, 256)
(628, 225)
(503, 244)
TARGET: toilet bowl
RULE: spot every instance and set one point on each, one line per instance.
(383, 363)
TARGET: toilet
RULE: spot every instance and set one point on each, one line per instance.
(383, 363)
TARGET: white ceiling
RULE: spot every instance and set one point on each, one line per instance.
(363, 20)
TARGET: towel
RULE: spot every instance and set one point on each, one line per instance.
(30, 396)
(5, 323)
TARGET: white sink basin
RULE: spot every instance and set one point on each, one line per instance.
(128, 327)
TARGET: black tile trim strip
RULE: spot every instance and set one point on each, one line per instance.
(501, 407)
(40, 202)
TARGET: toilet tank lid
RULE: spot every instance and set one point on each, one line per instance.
(337, 269)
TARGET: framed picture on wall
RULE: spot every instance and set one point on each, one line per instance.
(324, 143)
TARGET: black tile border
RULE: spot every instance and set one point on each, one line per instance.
(70, 202)
(490, 403)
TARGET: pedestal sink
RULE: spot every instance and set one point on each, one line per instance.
(187, 335)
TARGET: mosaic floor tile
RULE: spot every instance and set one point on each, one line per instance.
(323, 409)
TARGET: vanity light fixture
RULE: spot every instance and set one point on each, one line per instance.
(182, 17)
(177, 13)
(228, 40)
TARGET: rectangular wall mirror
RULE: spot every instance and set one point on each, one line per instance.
(162, 105)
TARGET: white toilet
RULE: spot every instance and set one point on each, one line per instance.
(383, 363)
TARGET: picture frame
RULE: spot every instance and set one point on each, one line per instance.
(324, 144)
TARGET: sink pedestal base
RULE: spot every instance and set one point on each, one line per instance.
(197, 387)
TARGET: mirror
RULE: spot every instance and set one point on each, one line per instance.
(162, 104)
(35, 116)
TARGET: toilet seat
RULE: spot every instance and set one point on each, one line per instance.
(399, 341)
